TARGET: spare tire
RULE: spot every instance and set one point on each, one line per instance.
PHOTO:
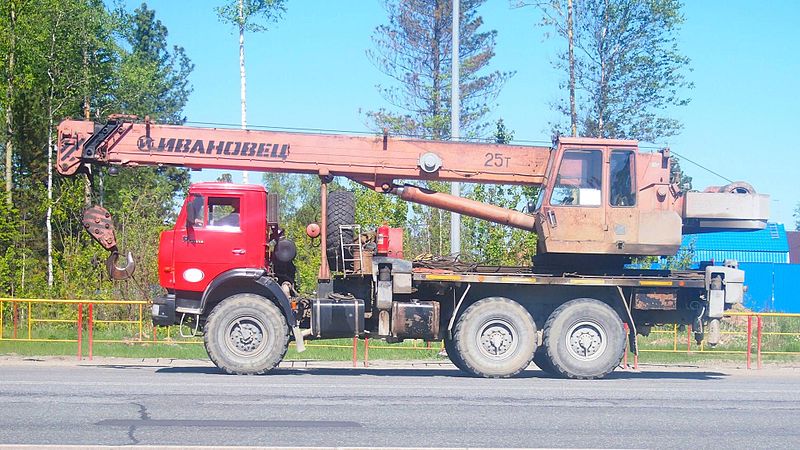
(738, 187)
(341, 211)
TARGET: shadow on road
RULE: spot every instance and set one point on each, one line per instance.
(453, 373)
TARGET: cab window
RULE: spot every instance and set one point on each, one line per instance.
(579, 179)
(622, 179)
(223, 212)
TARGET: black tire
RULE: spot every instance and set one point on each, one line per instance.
(495, 338)
(543, 362)
(738, 187)
(341, 211)
(452, 353)
(246, 334)
(576, 324)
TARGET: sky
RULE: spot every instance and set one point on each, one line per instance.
(310, 70)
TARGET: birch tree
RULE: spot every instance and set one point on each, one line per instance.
(413, 49)
(559, 16)
(627, 72)
(253, 16)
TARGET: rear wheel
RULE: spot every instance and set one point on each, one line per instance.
(495, 338)
(341, 211)
(543, 362)
(584, 338)
(246, 334)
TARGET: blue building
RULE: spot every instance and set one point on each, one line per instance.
(770, 279)
(763, 246)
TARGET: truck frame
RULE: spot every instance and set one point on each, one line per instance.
(228, 273)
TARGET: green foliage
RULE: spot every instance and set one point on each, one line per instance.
(153, 80)
(797, 217)
(677, 176)
(414, 50)
(628, 68)
(255, 15)
(9, 248)
(494, 244)
(77, 58)
(502, 135)
(374, 208)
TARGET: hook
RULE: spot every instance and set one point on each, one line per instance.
(120, 273)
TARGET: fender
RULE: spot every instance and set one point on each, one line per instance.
(258, 276)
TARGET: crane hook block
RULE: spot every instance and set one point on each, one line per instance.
(98, 223)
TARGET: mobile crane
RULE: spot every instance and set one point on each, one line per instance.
(601, 202)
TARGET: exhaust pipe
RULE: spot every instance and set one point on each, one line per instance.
(466, 207)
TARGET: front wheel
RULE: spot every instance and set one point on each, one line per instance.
(246, 334)
(584, 338)
(495, 338)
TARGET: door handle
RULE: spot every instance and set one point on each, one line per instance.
(238, 251)
(551, 217)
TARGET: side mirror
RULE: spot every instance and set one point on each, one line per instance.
(194, 211)
(530, 207)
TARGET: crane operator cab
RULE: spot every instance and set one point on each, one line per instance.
(604, 197)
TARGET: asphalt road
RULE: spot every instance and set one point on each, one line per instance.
(181, 403)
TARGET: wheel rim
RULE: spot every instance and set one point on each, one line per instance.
(246, 336)
(586, 340)
(497, 339)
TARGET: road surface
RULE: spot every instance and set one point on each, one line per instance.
(129, 402)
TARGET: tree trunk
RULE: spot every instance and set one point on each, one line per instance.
(87, 110)
(87, 185)
(51, 148)
(602, 94)
(573, 114)
(242, 75)
(10, 99)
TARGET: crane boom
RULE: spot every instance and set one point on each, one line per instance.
(375, 159)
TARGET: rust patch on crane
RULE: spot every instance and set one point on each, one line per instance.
(660, 299)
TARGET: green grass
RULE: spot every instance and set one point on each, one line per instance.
(329, 350)
(171, 346)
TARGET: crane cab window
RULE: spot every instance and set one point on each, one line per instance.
(579, 179)
(622, 179)
(223, 212)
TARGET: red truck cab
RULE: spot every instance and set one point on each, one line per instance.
(222, 227)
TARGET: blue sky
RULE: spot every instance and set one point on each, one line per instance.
(310, 71)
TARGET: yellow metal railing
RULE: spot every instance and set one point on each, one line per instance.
(84, 318)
